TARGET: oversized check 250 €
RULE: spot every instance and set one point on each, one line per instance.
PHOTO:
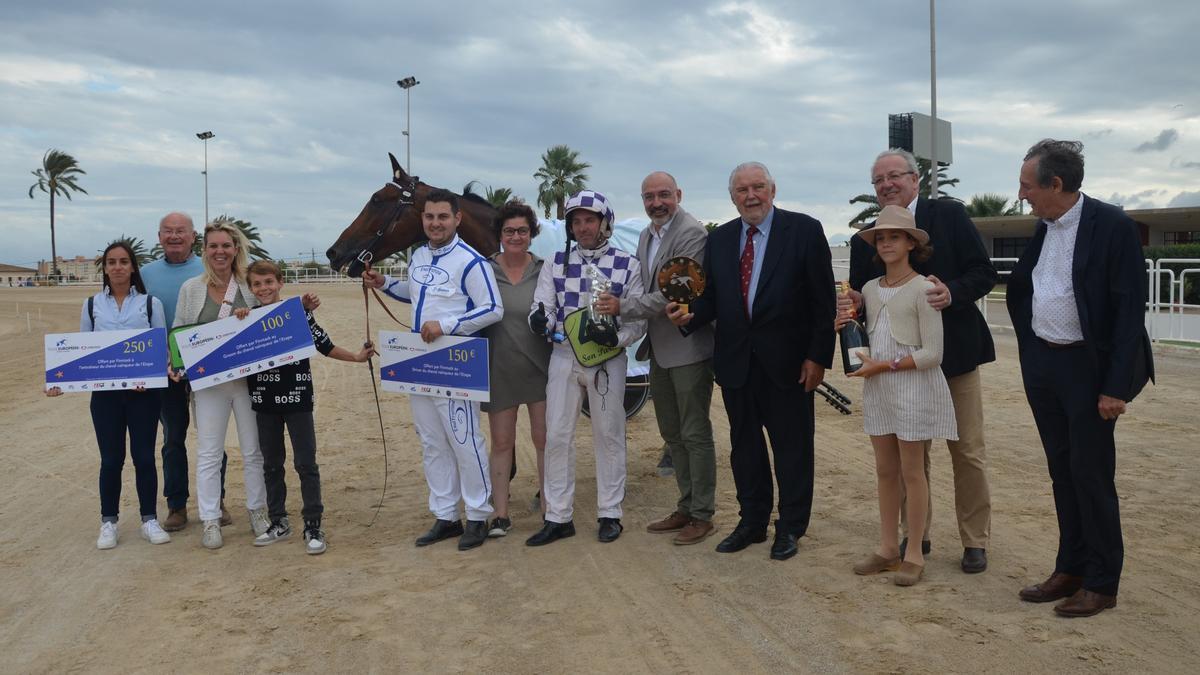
(107, 360)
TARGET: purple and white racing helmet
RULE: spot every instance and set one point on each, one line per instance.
(590, 200)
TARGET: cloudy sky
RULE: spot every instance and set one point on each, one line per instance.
(303, 101)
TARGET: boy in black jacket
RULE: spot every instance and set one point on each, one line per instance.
(283, 397)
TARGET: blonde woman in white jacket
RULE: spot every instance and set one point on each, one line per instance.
(203, 299)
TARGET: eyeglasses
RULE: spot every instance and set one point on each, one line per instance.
(514, 231)
(891, 177)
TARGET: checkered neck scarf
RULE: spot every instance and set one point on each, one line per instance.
(571, 283)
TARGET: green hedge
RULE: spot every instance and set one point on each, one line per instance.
(1173, 251)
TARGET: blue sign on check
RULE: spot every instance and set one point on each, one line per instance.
(107, 360)
(448, 367)
(233, 348)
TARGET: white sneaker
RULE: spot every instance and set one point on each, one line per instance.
(259, 521)
(108, 536)
(212, 534)
(280, 529)
(314, 538)
(153, 532)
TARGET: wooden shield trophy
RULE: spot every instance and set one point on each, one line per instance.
(681, 280)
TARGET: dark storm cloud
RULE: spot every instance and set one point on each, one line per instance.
(1165, 139)
(1185, 199)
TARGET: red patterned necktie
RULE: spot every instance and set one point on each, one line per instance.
(747, 266)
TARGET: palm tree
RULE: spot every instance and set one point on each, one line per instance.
(872, 202)
(256, 250)
(139, 250)
(989, 204)
(562, 174)
(498, 197)
(57, 176)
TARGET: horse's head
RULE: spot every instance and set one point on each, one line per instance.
(389, 222)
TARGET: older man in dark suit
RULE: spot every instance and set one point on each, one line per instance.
(1077, 301)
(962, 274)
(770, 291)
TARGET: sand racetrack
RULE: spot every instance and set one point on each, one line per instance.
(375, 603)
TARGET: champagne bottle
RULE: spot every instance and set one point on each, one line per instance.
(853, 338)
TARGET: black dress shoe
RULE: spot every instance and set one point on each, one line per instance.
(926, 547)
(742, 536)
(974, 560)
(442, 529)
(786, 545)
(610, 529)
(551, 532)
(474, 535)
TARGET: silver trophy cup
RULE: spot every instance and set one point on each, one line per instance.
(600, 285)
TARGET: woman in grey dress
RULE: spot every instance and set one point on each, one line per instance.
(519, 359)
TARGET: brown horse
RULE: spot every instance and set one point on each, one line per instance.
(391, 221)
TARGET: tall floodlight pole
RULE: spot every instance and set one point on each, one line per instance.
(204, 136)
(933, 165)
(407, 84)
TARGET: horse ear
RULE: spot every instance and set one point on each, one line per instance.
(397, 172)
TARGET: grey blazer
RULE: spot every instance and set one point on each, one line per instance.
(664, 343)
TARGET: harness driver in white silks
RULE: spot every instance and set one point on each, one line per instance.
(455, 293)
(588, 356)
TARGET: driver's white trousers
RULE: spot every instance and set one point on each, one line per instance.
(605, 387)
(455, 454)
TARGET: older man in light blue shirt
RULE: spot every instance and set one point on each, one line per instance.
(163, 277)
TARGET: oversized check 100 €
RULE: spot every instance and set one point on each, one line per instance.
(234, 348)
(107, 360)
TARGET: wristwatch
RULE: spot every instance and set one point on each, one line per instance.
(895, 365)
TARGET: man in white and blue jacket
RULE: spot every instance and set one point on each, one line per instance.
(455, 293)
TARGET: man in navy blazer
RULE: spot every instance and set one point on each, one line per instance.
(770, 290)
(1077, 301)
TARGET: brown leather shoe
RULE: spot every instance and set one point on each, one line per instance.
(908, 574)
(226, 519)
(875, 563)
(1085, 603)
(176, 520)
(695, 532)
(672, 523)
(1058, 586)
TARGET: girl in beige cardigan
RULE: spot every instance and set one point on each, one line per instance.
(906, 400)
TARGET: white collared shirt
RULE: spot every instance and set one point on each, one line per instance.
(656, 238)
(130, 314)
(1055, 315)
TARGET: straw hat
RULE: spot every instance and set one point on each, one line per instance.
(895, 218)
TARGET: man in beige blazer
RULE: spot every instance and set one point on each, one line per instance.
(681, 374)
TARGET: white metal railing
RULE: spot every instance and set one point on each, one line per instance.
(1173, 319)
(307, 275)
(1167, 318)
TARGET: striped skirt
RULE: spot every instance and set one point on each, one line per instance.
(914, 405)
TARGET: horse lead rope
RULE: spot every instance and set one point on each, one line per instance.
(374, 386)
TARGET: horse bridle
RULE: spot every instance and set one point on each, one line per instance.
(407, 198)
(408, 192)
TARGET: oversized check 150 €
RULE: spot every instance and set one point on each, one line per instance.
(448, 367)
